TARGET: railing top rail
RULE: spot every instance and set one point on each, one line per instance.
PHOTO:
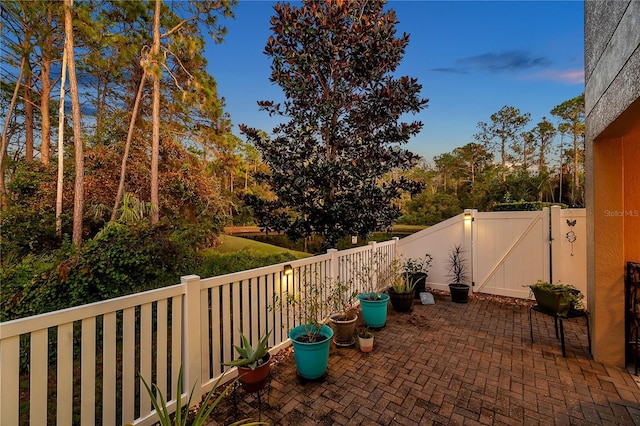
(51, 319)
(386, 243)
(355, 250)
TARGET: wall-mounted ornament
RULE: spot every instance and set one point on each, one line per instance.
(571, 236)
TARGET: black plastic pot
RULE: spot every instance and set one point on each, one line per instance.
(401, 302)
(459, 293)
(420, 280)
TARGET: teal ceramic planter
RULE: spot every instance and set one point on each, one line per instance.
(312, 358)
(374, 310)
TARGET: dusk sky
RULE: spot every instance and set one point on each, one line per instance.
(471, 57)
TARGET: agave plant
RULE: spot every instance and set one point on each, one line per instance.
(250, 357)
(181, 414)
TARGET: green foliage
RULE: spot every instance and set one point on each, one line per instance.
(30, 287)
(457, 268)
(418, 265)
(365, 332)
(342, 299)
(523, 206)
(250, 357)
(28, 222)
(225, 263)
(181, 415)
(118, 261)
(571, 296)
(335, 62)
(305, 298)
(429, 209)
(403, 285)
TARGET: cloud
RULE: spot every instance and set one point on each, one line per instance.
(561, 76)
(451, 70)
(514, 60)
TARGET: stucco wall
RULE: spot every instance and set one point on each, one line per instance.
(612, 106)
(612, 61)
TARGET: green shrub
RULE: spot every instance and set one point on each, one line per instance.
(118, 261)
(226, 263)
(28, 221)
(523, 206)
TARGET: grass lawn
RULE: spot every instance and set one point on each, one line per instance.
(231, 244)
(409, 229)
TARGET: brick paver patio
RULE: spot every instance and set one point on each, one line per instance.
(463, 364)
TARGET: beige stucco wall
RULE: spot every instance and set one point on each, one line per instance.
(612, 105)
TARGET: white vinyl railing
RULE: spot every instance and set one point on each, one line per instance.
(82, 365)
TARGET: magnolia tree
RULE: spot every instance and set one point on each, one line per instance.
(330, 162)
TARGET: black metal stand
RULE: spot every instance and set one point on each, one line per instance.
(238, 392)
(559, 319)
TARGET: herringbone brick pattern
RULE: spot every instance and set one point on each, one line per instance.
(453, 364)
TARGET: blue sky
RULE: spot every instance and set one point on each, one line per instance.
(471, 57)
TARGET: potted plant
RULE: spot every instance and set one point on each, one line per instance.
(373, 303)
(558, 298)
(365, 339)
(417, 270)
(312, 338)
(253, 364)
(180, 417)
(457, 272)
(344, 316)
(401, 291)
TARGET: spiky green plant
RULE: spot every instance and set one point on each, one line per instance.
(181, 414)
(250, 357)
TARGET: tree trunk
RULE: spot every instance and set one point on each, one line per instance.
(78, 196)
(45, 98)
(5, 139)
(155, 137)
(28, 112)
(503, 152)
(60, 184)
(576, 181)
(127, 145)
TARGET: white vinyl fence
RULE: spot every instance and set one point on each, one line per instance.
(81, 365)
(92, 354)
(506, 251)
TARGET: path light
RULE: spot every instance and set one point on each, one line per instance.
(468, 215)
(288, 269)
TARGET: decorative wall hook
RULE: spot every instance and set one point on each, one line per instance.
(571, 236)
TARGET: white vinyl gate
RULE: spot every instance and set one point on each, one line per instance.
(506, 251)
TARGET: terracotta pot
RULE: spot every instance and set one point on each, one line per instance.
(255, 380)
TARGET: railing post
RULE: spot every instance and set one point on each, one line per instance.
(333, 264)
(467, 220)
(395, 246)
(334, 272)
(191, 349)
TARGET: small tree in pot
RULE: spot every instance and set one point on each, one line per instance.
(308, 305)
(458, 273)
(343, 319)
(376, 274)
